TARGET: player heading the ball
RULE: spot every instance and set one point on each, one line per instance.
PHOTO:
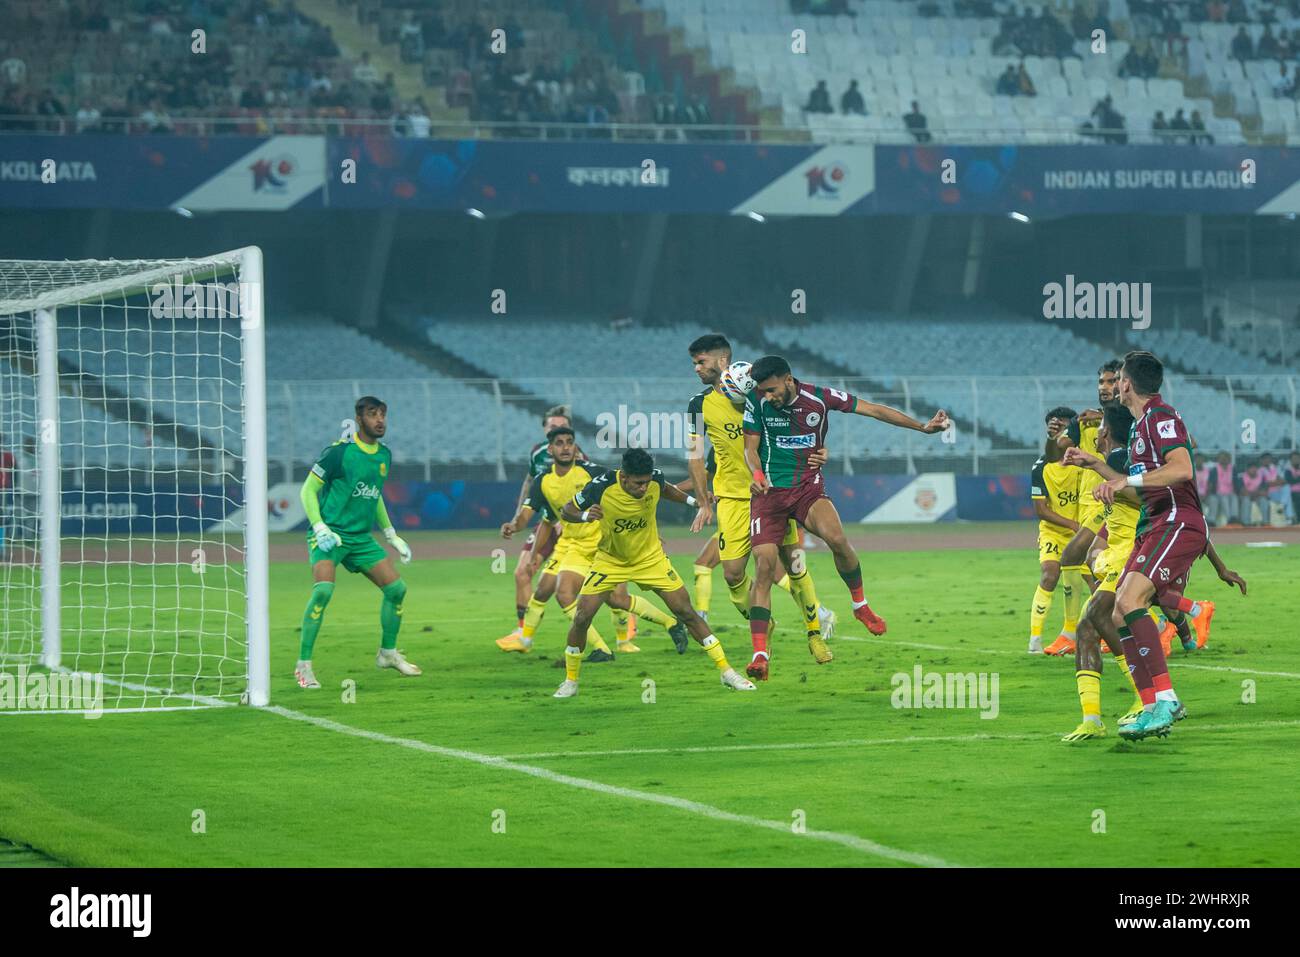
(785, 422)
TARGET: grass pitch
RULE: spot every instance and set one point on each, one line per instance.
(475, 764)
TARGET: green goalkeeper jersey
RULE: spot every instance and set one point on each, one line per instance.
(354, 480)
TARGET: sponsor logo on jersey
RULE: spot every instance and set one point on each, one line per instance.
(806, 441)
(629, 524)
(365, 491)
(1166, 429)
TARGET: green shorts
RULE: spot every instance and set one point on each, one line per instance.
(358, 553)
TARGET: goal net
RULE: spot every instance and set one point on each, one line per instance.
(133, 553)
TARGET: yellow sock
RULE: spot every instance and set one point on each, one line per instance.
(784, 584)
(703, 587)
(804, 593)
(1089, 693)
(593, 636)
(619, 617)
(740, 595)
(1038, 612)
(713, 648)
(533, 617)
(1074, 588)
(643, 609)
(572, 662)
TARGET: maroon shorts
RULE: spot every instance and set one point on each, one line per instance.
(549, 547)
(1165, 556)
(770, 514)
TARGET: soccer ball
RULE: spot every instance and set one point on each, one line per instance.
(736, 381)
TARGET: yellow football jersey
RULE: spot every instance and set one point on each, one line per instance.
(550, 492)
(629, 532)
(1088, 479)
(721, 422)
(1121, 517)
(1059, 484)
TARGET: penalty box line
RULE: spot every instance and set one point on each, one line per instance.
(1003, 651)
(865, 742)
(851, 841)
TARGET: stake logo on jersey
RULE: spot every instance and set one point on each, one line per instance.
(354, 480)
(789, 435)
(629, 532)
(1059, 485)
(550, 492)
(722, 425)
(1159, 431)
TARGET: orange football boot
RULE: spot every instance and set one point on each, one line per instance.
(1063, 645)
(1202, 623)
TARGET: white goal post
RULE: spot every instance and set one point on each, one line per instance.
(133, 484)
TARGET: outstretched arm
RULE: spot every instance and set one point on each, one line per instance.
(1226, 574)
(1177, 469)
(888, 414)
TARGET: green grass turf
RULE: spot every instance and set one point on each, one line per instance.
(946, 784)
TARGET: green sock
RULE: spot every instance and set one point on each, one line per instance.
(312, 617)
(390, 613)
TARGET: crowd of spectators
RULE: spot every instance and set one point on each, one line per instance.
(1029, 34)
(1244, 493)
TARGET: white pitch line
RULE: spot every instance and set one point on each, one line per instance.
(1004, 651)
(851, 841)
(864, 742)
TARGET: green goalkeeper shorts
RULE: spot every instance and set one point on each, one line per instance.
(358, 553)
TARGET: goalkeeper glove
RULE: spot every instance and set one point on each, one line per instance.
(326, 538)
(403, 549)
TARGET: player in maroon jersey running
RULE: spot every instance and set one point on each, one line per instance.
(1171, 535)
(784, 423)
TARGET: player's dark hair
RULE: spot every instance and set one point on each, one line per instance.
(769, 366)
(1119, 423)
(1145, 371)
(556, 432)
(713, 342)
(1060, 412)
(557, 411)
(367, 402)
(638, 462)
(1110, 365)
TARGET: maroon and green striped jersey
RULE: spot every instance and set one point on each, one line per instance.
(788, 435)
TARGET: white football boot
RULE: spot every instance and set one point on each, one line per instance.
(392, 658)
(305, 677)
(567, 690)
(733, 679)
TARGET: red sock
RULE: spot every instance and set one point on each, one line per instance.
(853, 578)
(1152, 653)
(758, 621)
(1185, 603)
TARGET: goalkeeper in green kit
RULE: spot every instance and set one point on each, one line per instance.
(343, 500)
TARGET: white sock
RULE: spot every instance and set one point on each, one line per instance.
(859, 604)
(1195, 610)
(1166, 695)
(1092, 718)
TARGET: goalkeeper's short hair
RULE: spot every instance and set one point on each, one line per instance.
(367, 402)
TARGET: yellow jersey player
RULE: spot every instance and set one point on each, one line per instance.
(568, 565)
(1054, 488)
(1081, 432)
(713, 414)
(623, 504)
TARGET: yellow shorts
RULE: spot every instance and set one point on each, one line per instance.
(1110, 565)
(571, 556)
(655, 573)
(1051, 546)
(733, 529)
(1092, 514)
